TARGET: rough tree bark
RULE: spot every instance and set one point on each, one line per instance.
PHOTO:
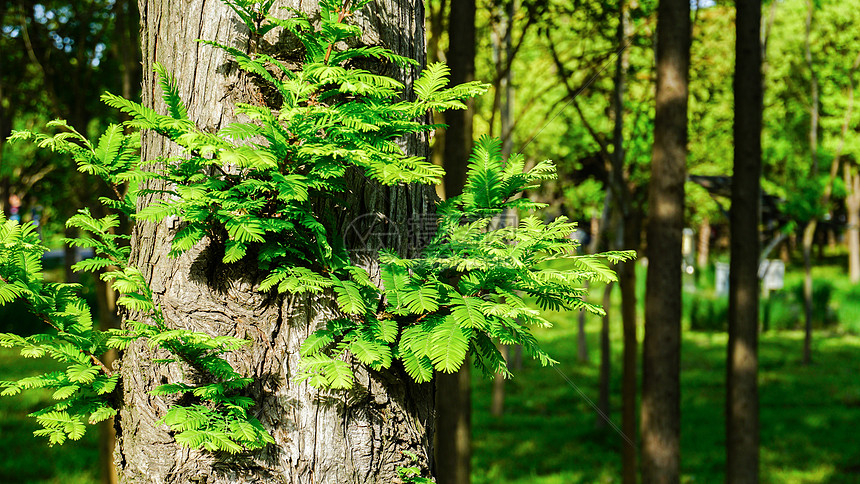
(661, 409)
(742, 420)
(454, 391)
(321, 437)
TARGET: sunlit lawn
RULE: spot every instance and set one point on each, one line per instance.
(810, 416)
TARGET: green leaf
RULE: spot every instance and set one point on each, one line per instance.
(420, 299)
(596, 267)
(420, 368)
(316, 341)
(81, 373)
(349, 297)
(191, 438)
(65, 392)
(171, 93)
(185, 238)
(449, 346)
(243, 431)
(245, 229)
(371, 353)
(101, 414)
(234, 251)
(384, 330)
(339, 375)
(468, 312)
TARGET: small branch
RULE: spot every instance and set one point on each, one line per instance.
(91, 356)
(47, 321)
(342, 14)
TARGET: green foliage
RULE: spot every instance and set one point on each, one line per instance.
(114, 158)
(464, 292)
(412, 474)
(254, 190)
(82, 391)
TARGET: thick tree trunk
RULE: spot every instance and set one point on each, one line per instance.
(742, 420)
(661, 389)
(321, 436)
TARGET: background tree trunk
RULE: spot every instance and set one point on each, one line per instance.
(704, 244)
(809, 232)
(742, 421)
(321, 437)
(581, 337)
(661, 405)
(454, 391)
(605, 362)
(852, 206)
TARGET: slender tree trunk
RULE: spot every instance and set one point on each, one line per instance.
(506, 111)
(809, 232)
(5, 131)
(461, 59)
(581, 337)
(704, 243)
(742, 421)
(605, 362)
(661, 405)
(454, 391)
(321, 436)
(627, 235)
(852, 200)
(497, 403)
(454, 426)
(852, 206)
(627, 287)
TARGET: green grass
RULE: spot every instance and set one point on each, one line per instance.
(809, 415)
(28, 459)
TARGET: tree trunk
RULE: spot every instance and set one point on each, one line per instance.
(627, 286)
(742, 421)
(581, 337)
(852, 206)
(497, 403)
(661, 405)
(461, 59)
(809, 232)
(704, 243)
(321, 436)
(454, 391)
(453, 443)
(628, 228)
(605, 362)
